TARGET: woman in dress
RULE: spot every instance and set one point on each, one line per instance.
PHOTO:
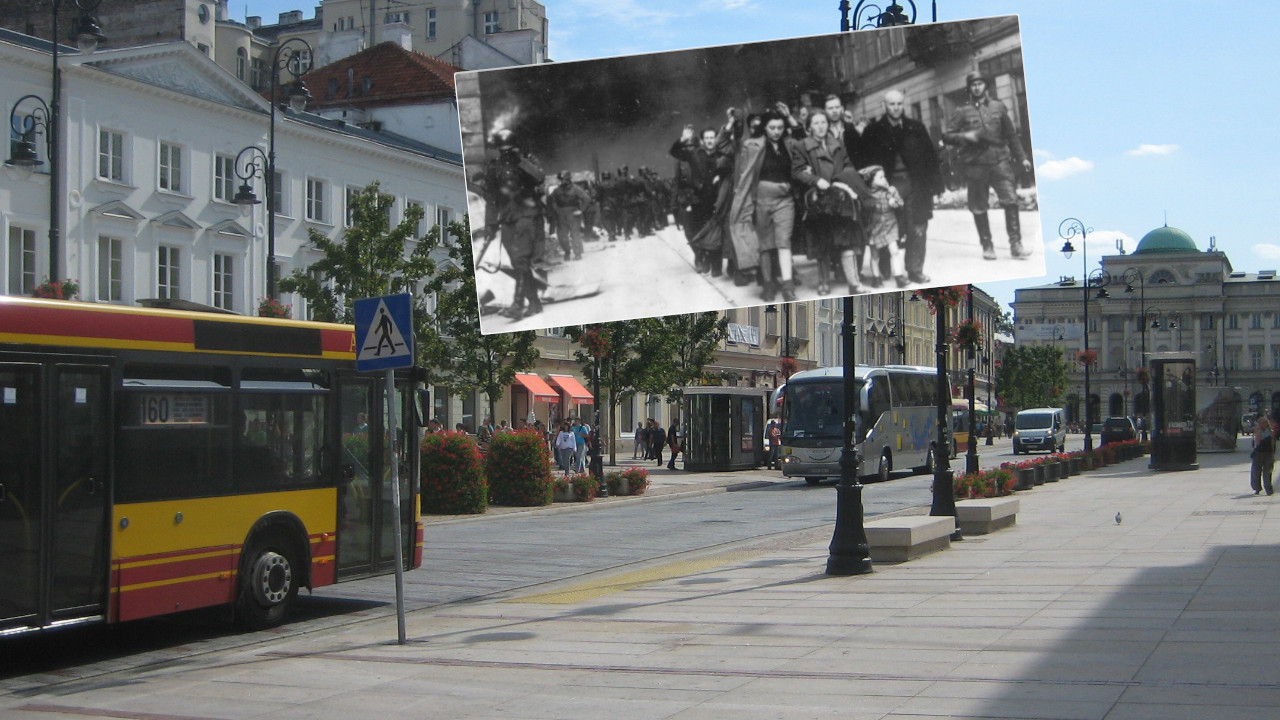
(821, 165)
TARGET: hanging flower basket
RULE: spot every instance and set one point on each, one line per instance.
(1143, 376)
(595, 342)
(788, 365)
(56, 290)
(1087, 357)
(272, 308)
(943, 297)
(967, 335)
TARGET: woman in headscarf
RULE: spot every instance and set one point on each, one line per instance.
(821, 165)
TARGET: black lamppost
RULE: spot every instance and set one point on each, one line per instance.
(1131, 276)
(944, 492)
(991, 416)
(294, 57)
(47, 118)
(1068, 229)
(971, 455)
(849, 552)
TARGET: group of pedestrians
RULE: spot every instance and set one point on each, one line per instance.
(571, 444)
(651, 440)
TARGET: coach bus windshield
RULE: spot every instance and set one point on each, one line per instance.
(814, 411)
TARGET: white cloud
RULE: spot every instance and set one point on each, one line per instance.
(1042, 153)
(1269, 251)
(1058, 169)
(1148, 149)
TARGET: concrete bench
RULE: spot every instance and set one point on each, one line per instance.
(983, 515)
(898, 539)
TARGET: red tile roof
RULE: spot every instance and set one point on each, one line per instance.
(383, 75)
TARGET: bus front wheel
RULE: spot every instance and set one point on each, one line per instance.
(268, 582)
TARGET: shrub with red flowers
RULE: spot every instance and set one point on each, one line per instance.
(1087, 357)
(518, 466)
(453, 481)
(596, 341)
(788, 365)
(637, 479)
(984, 483)
(56, 289)
(1142, 375)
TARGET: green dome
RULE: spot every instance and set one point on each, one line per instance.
(1166, 239)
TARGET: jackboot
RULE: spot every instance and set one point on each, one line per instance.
(983, 224)
(535, 303)
(700, 264)
(716, 262)
(1014, 228)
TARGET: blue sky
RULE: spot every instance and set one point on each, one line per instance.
(1140, 110)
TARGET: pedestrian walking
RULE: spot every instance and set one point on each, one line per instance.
(580, 433)
(566, 443)
(657, 439)
(675, 439)
(639, 447)
(1264, 453)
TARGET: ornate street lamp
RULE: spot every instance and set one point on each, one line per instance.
(1067, 230)
(849, 552)
(46, 119)
(867, 16)
(293, 56)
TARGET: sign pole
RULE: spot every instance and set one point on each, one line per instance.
(397, 530)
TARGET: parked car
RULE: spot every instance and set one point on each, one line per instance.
(1118, 429)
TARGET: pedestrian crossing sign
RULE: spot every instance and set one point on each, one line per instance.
(384, 332)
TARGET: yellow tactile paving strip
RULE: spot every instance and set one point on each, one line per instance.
(636, 578)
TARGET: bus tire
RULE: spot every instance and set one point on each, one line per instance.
(928, 462)
(814, 480)
(269, 579)
(885, 468)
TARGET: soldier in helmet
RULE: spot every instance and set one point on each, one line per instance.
(988, 151)
(569, 202)
(513, 183)
(608, 191)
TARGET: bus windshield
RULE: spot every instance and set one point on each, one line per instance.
(814, 411)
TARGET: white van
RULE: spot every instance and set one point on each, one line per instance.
(1040, 429)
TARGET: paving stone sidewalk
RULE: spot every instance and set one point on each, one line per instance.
(1170, 613)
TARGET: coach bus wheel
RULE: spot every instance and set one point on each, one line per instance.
(882, 473)
(268, 583)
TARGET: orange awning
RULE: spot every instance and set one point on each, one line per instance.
(540, 391)
(570, 385)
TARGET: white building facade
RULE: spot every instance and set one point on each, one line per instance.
(150, 136)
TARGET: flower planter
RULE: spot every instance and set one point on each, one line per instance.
(1026, 479)
(1076, 465)
(1051, 472)
(564, 494)
(1039, 471)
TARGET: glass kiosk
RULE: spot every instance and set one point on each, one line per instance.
(724, 428)
(1173, 425)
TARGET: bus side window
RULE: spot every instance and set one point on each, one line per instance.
(878, 399)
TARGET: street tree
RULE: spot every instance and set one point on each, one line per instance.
(450, 344)
(372, 258)
(695, 338)
(1032, 376)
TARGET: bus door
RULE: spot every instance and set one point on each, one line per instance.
(365, 522)
(54, 460)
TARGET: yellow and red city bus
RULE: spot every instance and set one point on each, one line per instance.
(154, 461)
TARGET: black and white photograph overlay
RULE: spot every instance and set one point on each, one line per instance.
(740, 175)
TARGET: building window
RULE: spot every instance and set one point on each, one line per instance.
(1206, 322)
(1232, 322)
(417, 229)
(397, 17)
(1275, 357)
(258, 73)
(444, 216)
(491, 22)
(22, 260)
(1233, 358)
(171, 167)
(111, 155)
(431, 23)
(167, 272)
(555, 331)
(1255, 321)
(349, 218)
(1255, 358)
(223, 275)
(202, 48)
(224, 177)
(110, 269)
(316, 211)
(242, 63)
(278, 194)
